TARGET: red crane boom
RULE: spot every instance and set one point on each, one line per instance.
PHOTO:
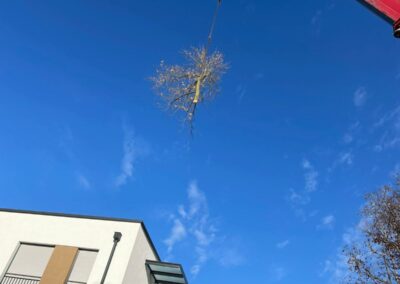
(390, 9)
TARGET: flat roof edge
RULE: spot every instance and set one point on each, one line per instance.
(78, 216)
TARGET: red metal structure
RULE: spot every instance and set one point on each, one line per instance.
(389, 9)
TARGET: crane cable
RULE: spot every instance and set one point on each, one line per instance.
(214, 20)
(204, 55)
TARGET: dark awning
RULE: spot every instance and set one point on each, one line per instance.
(166, 273)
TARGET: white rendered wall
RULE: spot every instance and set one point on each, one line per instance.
(141, 252)
(77, 232)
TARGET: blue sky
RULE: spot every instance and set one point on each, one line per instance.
(270, 187)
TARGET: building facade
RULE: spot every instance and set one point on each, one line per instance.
(49, 248)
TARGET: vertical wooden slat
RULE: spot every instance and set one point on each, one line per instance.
(60, 265)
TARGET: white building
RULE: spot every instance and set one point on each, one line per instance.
(48, 248)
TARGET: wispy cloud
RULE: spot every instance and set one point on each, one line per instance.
(388, 117)
(241, 91)
(396, 170)
(231, 256)
(277, 273)
(280, 273)
(344, 158)
(133, 148)
(317, 18)
(178, 233)
(83, 181)
(299, 199)
(348, 137)
(336, 268)
(66, 142)
(192, 224)
(310, 176)
(128, 159)
(327, 222)
(196, 217)
(282, 244)
(389, 123)
(360, 96)
(386, 142)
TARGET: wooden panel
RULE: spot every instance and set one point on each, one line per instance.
(60, 265)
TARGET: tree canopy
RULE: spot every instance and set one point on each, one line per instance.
(377, 258)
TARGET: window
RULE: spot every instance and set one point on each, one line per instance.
(30, 262)
(82, 267)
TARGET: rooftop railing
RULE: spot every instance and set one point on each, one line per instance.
(11, 278)
(19, 279)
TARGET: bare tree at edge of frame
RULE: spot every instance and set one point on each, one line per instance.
(376, 259)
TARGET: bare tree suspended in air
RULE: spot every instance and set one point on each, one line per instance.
(183, 87)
